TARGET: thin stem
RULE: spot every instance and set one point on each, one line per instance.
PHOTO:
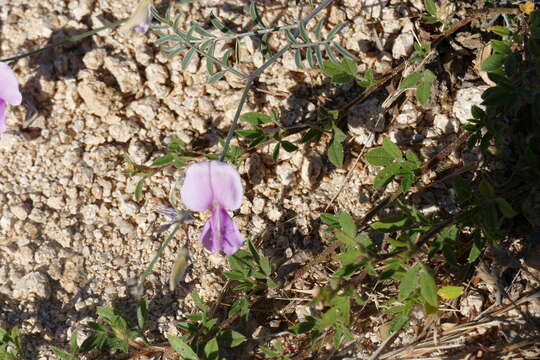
(158, 254)
(250, 33)
(230, 134)
(70, 39)
(311, 44)
(254, 75)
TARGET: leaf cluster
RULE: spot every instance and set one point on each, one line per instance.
(203, 338)
(394, 165)
(251, 270)
(10, 344)
(259, 134)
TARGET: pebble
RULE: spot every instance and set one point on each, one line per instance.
(32, 283)
(465, 99)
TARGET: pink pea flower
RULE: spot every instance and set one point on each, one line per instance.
(141, 18)
(215, 185)
(9, 92)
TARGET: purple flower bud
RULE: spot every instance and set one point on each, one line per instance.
(215, 185)
(141, 18)
(9, 92)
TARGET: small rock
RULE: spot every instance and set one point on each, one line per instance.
(19, 211)
(408, 114)
(145, 108)
(125, 72)
(123, 131)
(258, 205)
(32, 283)
(465, 99)
(8, 141)
(364, 120)
(311, 168)
(471, 304)
(403, 45)
(93, 96)
(286, 173)
(94, 58)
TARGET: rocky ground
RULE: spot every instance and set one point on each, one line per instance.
(72, 237)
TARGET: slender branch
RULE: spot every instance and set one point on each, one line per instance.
(230, 134)
(246, 34)
(158, 254)
(254, 75)
(311, 44)
(69, 40)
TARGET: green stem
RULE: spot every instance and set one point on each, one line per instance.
(230, 134)
(158, 255)
(254, 75)
(71, 39)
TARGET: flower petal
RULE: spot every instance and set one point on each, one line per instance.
(220, 233)
(226, 185)
(3, 108)
(196, 191)
(232, 240)
(206, 236)
(9, 88)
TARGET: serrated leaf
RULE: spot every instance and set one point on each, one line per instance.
(181, 348)
(347, 224)
(336, 153)
(406, 182)
(378, 157)
(138, 189)
(409, 283)
(410, 81)
(187, 58)
(255, 118)
(450, 292)
(386, 175)
(392, 149)
(423, 92)
(428, 288)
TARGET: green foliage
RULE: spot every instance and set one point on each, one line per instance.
(335, 149)
(250, 269)
(10, 344)
(259, 134)
(422, 81)
(390, 156)
(203, 337)
(276, 352)
(346, 71)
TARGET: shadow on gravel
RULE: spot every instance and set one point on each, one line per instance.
(50, 66)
